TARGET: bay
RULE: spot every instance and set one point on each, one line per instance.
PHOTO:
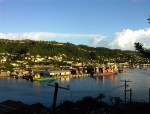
(33, 92)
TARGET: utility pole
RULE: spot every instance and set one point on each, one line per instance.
(130, 90)
(149, 95)
(130, 95)
(125, 91)
(55, 95)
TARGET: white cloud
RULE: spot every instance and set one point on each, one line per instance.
(51, 36)
(125, 39)
(121, 40)
(95, 41)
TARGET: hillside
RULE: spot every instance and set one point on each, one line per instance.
(67, 50)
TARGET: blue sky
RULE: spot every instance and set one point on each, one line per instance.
(114, 24)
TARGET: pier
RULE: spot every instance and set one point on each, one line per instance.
(70, 76)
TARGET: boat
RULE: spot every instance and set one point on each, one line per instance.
(27, 77)
(38, 77)
(103, 74)
(44, 78)
(121, 71)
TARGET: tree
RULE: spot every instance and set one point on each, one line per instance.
(100, 97)
(139, 47)
(8, 66)
(149, 19)
(145, 52)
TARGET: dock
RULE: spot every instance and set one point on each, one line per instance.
(70, 76)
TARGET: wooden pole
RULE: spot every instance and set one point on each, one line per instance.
(55, 97)
(130, 95)
(125, 94)
(149, 95)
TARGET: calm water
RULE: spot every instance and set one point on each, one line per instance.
(30, 93)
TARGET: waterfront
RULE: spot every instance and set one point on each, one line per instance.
(30, 93)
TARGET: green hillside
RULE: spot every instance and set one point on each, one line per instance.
(67, 50)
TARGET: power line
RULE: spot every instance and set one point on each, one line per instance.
(125, 90)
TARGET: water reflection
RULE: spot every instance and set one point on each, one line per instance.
(112, 78)
(40, 83)
(65, 79)
(36, 83)
(3, 78)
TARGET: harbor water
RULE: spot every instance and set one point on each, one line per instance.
(113, 85)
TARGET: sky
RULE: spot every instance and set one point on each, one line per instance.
(114, 24)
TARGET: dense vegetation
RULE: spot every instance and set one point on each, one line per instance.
(67, 50)
(143, 51)
(87, 105)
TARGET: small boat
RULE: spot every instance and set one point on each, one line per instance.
(38, 77)
(103, 74)
(49, 78)
(121, 71)
(27, 77)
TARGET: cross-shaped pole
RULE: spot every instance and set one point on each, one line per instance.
(55, 95)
